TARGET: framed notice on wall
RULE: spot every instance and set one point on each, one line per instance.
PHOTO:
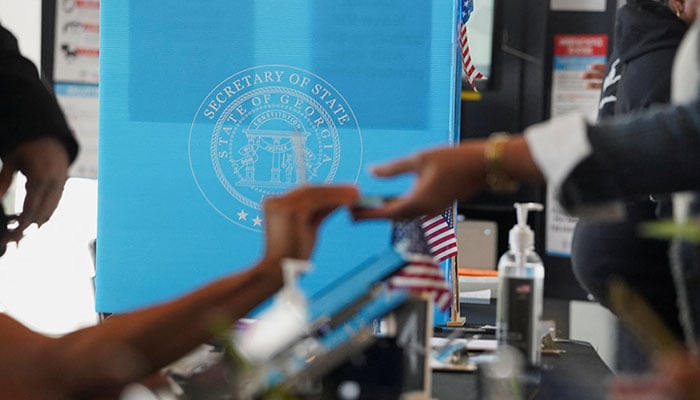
(572, 56)
(70, 61)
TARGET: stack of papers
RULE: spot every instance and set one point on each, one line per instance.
(478, 286)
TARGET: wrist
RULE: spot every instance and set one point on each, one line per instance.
(496, 175)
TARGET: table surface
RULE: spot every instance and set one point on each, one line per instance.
(577, 373)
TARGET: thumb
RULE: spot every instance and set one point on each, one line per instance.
(6, 175)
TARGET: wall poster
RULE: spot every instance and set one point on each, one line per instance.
(572, 56)
(76, 75)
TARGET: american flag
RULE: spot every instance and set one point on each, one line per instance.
(469, 69)
(440, 235)
(422, 273)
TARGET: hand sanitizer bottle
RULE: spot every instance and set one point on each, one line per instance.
(520, 289)
(283, 323)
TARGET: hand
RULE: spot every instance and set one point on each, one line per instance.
(292, 220)
(681, 372)
(593, 76)
(443, 176)
(676, 376)
(44, 162)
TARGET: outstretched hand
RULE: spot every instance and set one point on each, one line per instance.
(292, 220)
(44, 162)
(442, 176)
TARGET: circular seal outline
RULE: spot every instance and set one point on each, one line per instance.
(263, 67)
(226, 112)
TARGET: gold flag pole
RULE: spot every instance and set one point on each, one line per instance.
(456, 320)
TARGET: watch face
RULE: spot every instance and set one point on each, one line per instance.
(265, 130)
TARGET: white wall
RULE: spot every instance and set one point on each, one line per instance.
(595, 324)
(23, 18)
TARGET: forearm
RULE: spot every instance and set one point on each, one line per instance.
(21, 349)
(129, 347)
(519, 163)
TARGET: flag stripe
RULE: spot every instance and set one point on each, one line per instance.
(423, 277)
(443, 301)
(415, 283)
(442, 238)
(447, 254)
(469, 69)
(422, 272)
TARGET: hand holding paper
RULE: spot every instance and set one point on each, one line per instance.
(442, 175)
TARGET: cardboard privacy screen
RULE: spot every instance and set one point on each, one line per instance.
(208, 108)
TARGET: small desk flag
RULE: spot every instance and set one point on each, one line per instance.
(422, 273)
(440, 235)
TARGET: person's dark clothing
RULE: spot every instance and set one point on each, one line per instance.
(28, 109)
(638, 75)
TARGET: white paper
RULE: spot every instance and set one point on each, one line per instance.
(572, 55)
(471, 344)
(577, 5)
(79, 103)
(476, 296)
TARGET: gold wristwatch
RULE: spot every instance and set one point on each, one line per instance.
(497, 179)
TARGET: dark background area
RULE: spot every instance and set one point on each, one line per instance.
(517, 96)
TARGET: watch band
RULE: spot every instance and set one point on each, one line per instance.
(496, 178)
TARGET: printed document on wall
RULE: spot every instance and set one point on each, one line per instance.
(572, 56)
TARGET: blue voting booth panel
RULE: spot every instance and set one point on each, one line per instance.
(208, 108)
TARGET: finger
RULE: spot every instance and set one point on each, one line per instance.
(12, 236)
(360, 214)
(599, 67)
(39, 204)
(319, 215)
(292, 219)
(593, 85)
(398, 208)
(10, 233)
(591, 75)
(396, 167)
(312, 198)
(311, 203)
(596, 68)
(49, 201)
(317, 203)
(32, 200)
(7, 173)
(335, 195)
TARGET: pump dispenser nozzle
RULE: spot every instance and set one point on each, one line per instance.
(521, 236)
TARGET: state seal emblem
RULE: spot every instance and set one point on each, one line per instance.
(265, 130)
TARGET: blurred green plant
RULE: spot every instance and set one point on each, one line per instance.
(668, 229)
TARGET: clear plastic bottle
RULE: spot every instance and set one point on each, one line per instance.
(520, 290)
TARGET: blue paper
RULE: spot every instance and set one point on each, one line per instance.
(208, 108)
